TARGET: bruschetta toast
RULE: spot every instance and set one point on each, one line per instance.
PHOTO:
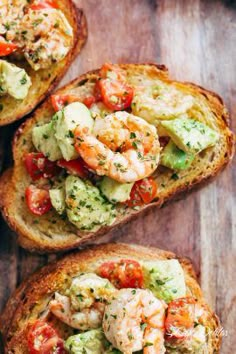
(109, 145)
(38, 41)
(113, 298)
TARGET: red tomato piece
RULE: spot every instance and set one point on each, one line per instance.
(135, 198)
(89, 101)
(38, 200)
(43, 339)
(125, 273)
(60, 101)
(179, 322)
(147, 189)
(116, 95)
(38, 166)
(43, 4)
(74, 167)
(7, 48)
(143, 192)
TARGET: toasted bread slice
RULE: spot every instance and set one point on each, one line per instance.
(50, 233)
(45, 80)
(30, 301)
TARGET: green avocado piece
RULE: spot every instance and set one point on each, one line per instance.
(86, 208)
(165, 279)
(174, 158)
(13, 80)
(190, 135)
(67, 120)
(114, 191)
(90, 342)
(58, 198)
(44, 141)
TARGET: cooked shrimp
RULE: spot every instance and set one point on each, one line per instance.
(83, 308)
(10, 12)
(161, 102)
(45, 37)
(121, 146)
(134, 320)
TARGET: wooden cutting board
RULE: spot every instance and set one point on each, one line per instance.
(197, 41)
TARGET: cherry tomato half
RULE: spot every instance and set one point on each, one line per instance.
(74, 167)
(116, 95)
(38, 166)
(43, 339)
(38, 200)
(7, 48)
(60, 101)
(43, 4)
(180, 318)
(143, 192)
(125, 273)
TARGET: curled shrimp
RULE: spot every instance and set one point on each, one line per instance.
(10, 12)
(160, 102)
(45, 37)
(121, 146)
(84, 306)
(134, 320)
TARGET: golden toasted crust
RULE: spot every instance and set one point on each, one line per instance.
(31, 299)
(44, 81)
(50, 233)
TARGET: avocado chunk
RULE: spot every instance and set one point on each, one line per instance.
(13, 80)
(67, 120)
(58, 198)
(44, 141)
(90, 342)
(86, 208)
(190, 135)
(174, 158)
(114, 191)
(165, 279)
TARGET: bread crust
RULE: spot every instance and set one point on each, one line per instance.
(31, 238)
(24, 306)
(45, 81)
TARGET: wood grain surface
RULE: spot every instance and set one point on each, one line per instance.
(197, 41)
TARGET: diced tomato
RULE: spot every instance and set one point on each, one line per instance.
(43, 339)
(147, 189)
(7, 48)
(135, 198)
(112, 88)
(38, 166)
(38, 200)
(143, 192)
(43, 4)
(125, 273)
(74, 167)
(116, 95)
(60, 101)
(89, 101)
(97, 92)
(180, 318)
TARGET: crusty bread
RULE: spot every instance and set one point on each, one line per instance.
(30, 301)
(50, 233)
(45, 80)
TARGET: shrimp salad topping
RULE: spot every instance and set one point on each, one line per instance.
(36, 31)
(110, 142)
(127, 318)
